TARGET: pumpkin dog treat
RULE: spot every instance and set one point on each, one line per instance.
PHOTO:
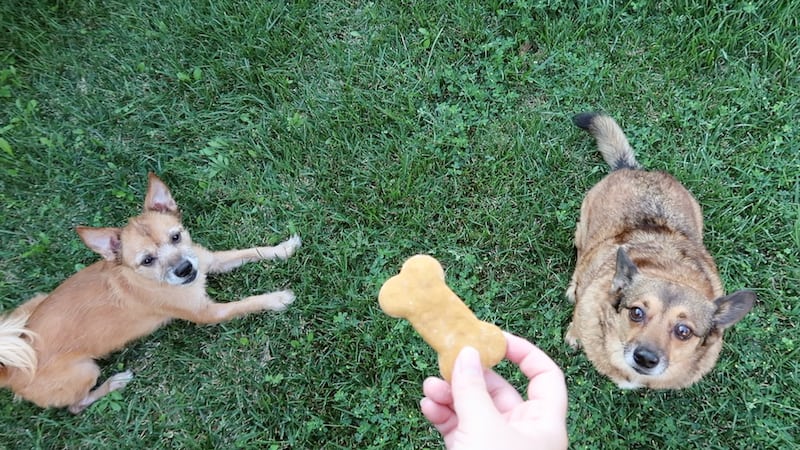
(420, 295)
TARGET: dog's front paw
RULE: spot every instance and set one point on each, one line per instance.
(118, 381)
(278, 301)
(571, 291)
(571, 338)
(288, 247)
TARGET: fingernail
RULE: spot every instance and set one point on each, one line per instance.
(468, 361)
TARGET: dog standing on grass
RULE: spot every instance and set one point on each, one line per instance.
(649, 305)
(151, 273)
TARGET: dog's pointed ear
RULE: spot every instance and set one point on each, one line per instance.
(731, 308)
(103, 241)
(625, 272)
(158, 198)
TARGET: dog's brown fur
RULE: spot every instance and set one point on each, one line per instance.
(649, 304)
(151, 272)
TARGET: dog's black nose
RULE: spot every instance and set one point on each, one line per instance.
(184, 269)
(644, 357)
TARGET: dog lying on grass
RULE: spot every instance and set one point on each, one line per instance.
(151, 273)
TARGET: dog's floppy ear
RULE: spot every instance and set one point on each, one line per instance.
(731, 308)
(625, 272)
(104, 241)
(158, 197)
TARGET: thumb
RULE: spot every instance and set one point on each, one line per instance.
(471, 400)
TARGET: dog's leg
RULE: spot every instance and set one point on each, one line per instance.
(571, 290)
(67, 381)
(113, 383)
(571, 337)
(580, 233)
(225, 261)
(212, 312)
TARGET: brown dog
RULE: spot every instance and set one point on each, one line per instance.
(151, 272)
(649, 305)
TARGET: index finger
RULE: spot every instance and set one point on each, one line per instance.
(546, 380)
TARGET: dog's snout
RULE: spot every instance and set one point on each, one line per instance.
(646, 358)
(184, 272)
(184, 269)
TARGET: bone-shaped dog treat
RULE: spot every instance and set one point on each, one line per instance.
(419, 294)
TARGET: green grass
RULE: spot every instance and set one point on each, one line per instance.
(377, 130)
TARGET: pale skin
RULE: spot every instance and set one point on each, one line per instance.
(479, 409)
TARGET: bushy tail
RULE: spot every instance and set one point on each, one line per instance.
(15, 349)
(611, 140)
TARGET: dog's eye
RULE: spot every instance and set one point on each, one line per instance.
(636, 314)
(148, 260)
(176, 237)
(683, 332)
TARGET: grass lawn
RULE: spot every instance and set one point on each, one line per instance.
(377, 130)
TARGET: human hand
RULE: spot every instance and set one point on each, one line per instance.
(481, 410)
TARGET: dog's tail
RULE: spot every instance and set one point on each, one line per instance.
(15, 348)
(611, 140)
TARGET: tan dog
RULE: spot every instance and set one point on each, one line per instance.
(151, 272)
(649, 305)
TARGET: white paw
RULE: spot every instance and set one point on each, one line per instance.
(278, 301)
(119, 380)
(571, 339)
(287, 248)
(571, 290)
